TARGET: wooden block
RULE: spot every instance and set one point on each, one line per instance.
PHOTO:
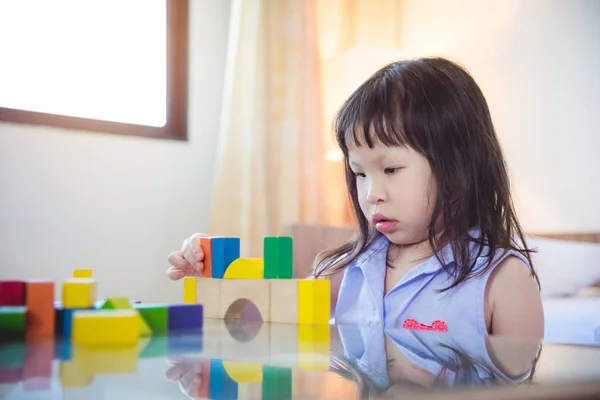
(313, 347)
(185, 317)
(250, 391)
(99, 328)
(245, 268)
(39, 300)
(284, 300)
(218, 257)
(314, 301)
(82, 273)
(189, 290)
(221, 385)
(235, 294)
(12, 321)
(123, 303)
(79, 293)
(277, 383)
(206, 246)
(155, 315)
(242, 372)
(12, 293)
(208, 294)
(286, 255)
(232, 251)
(271, 256)
(37, 368)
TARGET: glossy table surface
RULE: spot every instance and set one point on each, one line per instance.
(233, 359)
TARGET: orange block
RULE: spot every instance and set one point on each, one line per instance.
(39, 300)
(206, 245)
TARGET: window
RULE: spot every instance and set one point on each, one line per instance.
(111, 66)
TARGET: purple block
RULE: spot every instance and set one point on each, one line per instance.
(185, 317)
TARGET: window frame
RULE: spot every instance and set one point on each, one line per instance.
(177, 91)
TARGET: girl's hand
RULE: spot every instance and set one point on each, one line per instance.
(189, 261)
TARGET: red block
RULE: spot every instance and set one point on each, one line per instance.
(12, 293)
(39, 300)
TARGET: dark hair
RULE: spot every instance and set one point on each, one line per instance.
(435, 107)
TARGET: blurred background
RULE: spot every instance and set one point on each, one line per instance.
(265, 78)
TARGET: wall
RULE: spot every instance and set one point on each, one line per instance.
(119, 205)
(537, 62)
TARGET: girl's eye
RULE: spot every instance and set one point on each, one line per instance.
(391, 171)
(359, 175)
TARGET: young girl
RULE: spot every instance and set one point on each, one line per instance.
(438, 245)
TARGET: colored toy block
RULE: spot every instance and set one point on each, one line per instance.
(235, 294)
(232, 250)
(217, 251)
(37, 368)
(242, 372)
(245, 268)
(79, 293)
(284, 300)
(221, 385)
(39, 300)
(12, 293)
(123, 303)
(206, 246)
(94, 361)
(82, 273)
(10, 375)
(12, 321)
(189, 290)
(185, 317)
(277, 383)
(278, 253)
(65, 319)
(99, 328)
(12, 354)
(208, 294)
(314, 301)
(271, 255)
(155, 315)
(313, 347)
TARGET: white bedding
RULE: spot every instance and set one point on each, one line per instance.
(572, 320)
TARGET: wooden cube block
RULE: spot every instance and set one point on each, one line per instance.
(79, 293)
(218, 265)
(284, 300)
(123, 303)
(208, 294)
(12, 293)
(189, 290)
(277, 383)
(314, 301)
(155, 315)
(13, 321)
(206, 246)
(99, 328)
(278, 253)
(232, 250)
(82, 273)
(185, 317)
(244, 290)
(39, 300)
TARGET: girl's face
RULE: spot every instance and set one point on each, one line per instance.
(396, 190)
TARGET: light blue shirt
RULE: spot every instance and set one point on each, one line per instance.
(415, 300)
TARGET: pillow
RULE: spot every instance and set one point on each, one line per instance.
(564, 267)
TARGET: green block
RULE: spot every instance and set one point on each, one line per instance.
(277, 383)
(156, 316)
(286, 251)
(12, 354)
(122, 303)
(12, 321)
(271, 257)
(157, 347)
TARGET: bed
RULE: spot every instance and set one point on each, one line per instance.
(568, 266)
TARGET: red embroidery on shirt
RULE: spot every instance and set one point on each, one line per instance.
(437, 326)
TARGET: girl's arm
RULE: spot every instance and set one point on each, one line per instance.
(513, 305)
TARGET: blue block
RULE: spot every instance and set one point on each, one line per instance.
(64, 321)
(217, 250)
(221, 384)
(186, 317)
(232, 250)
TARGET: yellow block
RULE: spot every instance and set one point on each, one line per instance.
(106, 328)
(79, 292)
(246, 268)
(313, 347)
(314, 301)
(82, 273)
(243, 372)
(189, 290)
(122, 303)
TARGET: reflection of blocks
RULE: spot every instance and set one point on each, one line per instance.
(313, 347)
(247, 340)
